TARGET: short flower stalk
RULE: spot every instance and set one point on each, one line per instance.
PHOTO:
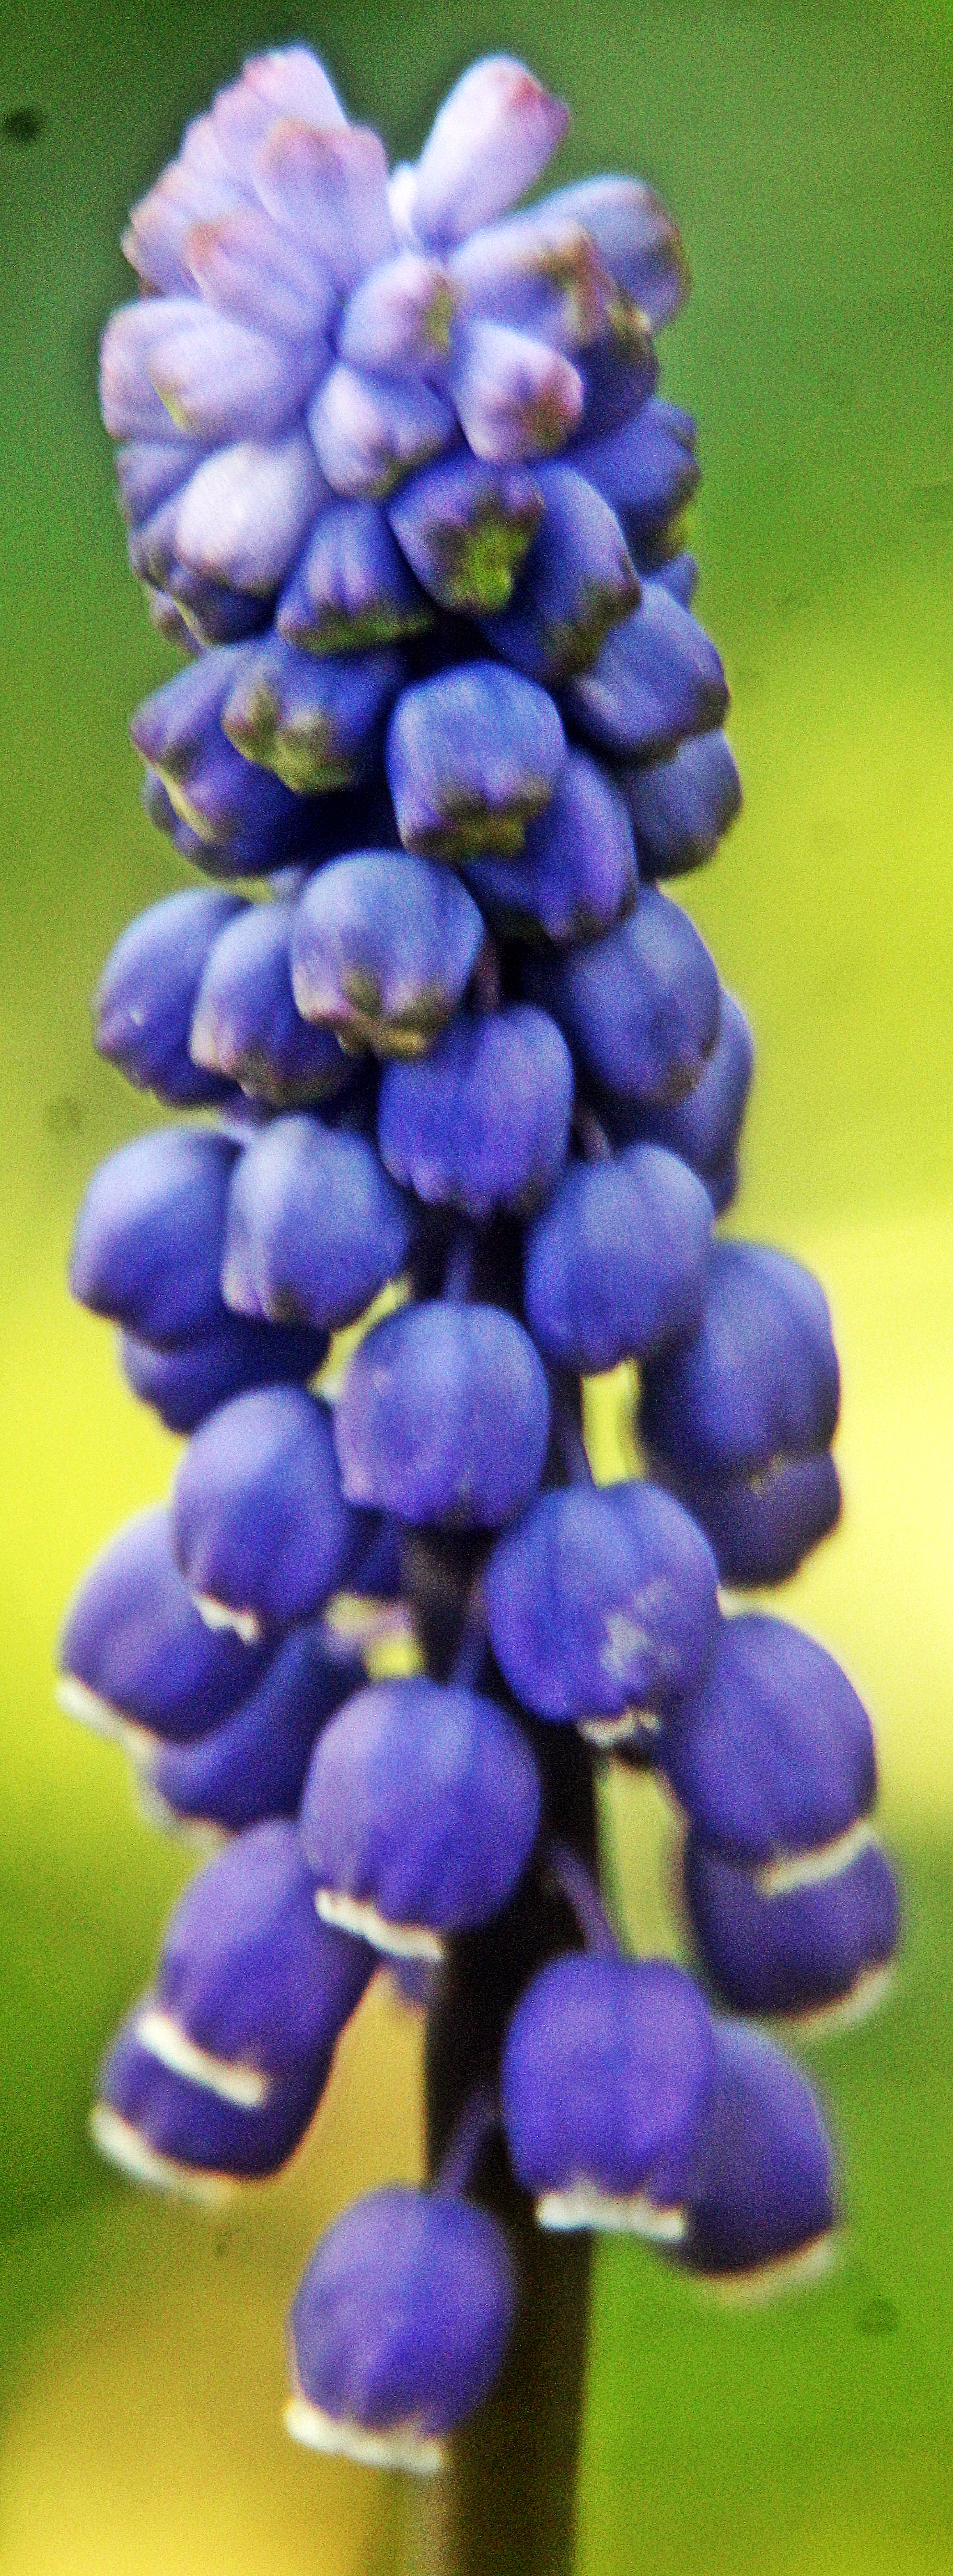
(450, 1065)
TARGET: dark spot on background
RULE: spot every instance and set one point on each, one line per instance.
(877, 2317)
(63, 1116)
(23, 125)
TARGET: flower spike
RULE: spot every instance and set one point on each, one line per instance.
(400, 484)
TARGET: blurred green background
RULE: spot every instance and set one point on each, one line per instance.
(808, 153)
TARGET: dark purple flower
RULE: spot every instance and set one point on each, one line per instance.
(617, 1264)
(254, 1765)
(772, 1754)
(606, 2067)
(420, 1812)
(382, 949)
(251, 1984)
(640, 1007)
(601, 1603)
(812, 1936)
(399, 2328)
(483, 1122)
(444, 1417)
(314, 1227)
(261, 1531)
(135, 1652)
(757, 1382)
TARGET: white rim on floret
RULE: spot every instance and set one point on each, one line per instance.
(771, 2280)
(165, 2040)
(623, 2214)
(206, 1838)
(844, 2012)
(402, 2447)
(125, 2147)
(220, 1614)
(77, 1700)
(810, 1868)
(603, 1732)
(397, 1940)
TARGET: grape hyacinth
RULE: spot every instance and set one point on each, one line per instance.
(400, 485)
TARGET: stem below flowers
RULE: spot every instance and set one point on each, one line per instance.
(506, 2504)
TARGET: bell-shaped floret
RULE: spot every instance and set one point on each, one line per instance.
(316, 721)
(251, 1983)
(193, 1378)
(327, 186)
(287, 81)
(260, 1528)
(244, 515)
(238, 820)
(352, 589)
(246, 266)
(601, 1603)
(256, 1763)
(184, 195)
(515, 397)
(817, 1943)
(640, 1008)
(399, 317)
(647, 471)
(606, 2068)
(577, 874)
(419, 1816)
(761, 1526)
(704, 1127)
(472, 756)
(772, 1755)
(656, 678)
(150, 472)
(220, 381)
(134, 1651)
(757, 1383)
(483, 1122)
(314, 1228)
(145, 997)
(620, 371)
(617, 1264)
(160, 2128)
(212, 171)
(680, 807)
(465, 526)
(400, 2328)
(177, 729)
(539, 271)
(370, 432)
(490, 139)
(634, 235)
(580, 581)
(245, 1024)
(763, 2202)
(209, 611)
(444, 1417)
(383, 948)
(131, 404)
(147, 1247)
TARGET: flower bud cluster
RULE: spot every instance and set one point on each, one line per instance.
(398, 479)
